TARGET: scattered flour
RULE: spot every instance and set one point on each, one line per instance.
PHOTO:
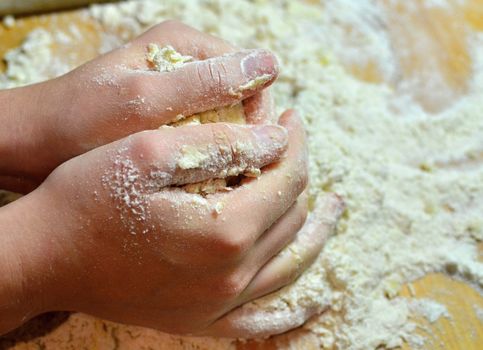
(128, 189)
(20, 69)
(192, 157)
(412, 182)
(478, 312)
(429, 309)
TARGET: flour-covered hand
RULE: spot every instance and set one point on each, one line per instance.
(121, 93)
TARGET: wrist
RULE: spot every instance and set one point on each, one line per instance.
(25, 140)
(32, 278)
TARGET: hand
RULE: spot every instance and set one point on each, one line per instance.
(245, 321)
(116, 95)
(114, 236)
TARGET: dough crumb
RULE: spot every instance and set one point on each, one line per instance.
(218, 208)
(166, 59)
(210, 186)
(191, 157)
(255, 83)
(429, 309)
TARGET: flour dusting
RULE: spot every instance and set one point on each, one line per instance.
(127, 188)
(429, 309)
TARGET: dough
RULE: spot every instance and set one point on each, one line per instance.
(167, 59)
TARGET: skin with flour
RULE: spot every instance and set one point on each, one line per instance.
(167, 59)
(147, 164)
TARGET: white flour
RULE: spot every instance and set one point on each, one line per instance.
(412, 182)
(479, 312)
(127, 188)
(429, 309)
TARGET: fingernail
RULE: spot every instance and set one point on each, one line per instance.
(259, 63)
(271, 136)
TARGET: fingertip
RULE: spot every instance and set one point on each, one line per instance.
(260, 108)
(331, 203)
(323, 219)
(290, 119)
(271, 138)
(260, 63)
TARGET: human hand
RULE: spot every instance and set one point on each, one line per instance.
(261, 319)
(192, 259)
(116, 95)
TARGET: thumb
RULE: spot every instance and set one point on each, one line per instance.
(197, 153)
(204, 85)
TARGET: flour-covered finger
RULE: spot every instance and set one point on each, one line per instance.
(270, 195)
(279, 235)
(194, 153)
(292, 261)
(243, 322)
(198, 86)
(260, 108)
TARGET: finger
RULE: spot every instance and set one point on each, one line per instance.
(259, 108)
(283, 269)
(278, 236)
(251, 208)
(189, 41)
(269, 196)
(196, 153)
(200, 86)
(244, 322)
(237, 218)
(287, 266)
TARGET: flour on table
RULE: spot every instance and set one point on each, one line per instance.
(478, 312)
(412, 182)
(429, 309)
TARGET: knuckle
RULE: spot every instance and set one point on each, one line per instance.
(233, 247)
(212, 77)
(135, 86)
(223, 138)
(231, 244)
(135, 94)
(143, 145)
(230, 287)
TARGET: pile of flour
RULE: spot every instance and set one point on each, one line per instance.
(412, 182)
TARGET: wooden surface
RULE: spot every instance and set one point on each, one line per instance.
(447, 57)
(30, 6)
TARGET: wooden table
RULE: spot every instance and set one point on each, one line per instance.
(443, 30)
